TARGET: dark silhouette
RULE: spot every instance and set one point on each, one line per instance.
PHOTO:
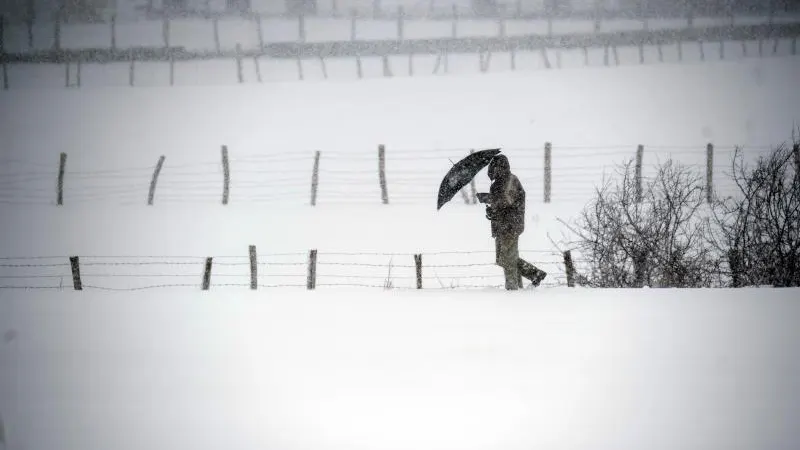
(506, 210)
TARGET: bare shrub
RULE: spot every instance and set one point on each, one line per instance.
(759, 228)
(629, 237)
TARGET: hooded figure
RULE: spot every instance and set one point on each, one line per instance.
(506, 211)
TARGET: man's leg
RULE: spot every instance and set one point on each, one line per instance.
(508, 254)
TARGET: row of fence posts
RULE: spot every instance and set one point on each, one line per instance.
(468, 199)
(441, 63)
(311, 278)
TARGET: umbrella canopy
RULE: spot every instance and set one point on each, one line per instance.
(462, 173)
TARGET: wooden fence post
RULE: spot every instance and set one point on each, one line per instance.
(153, 182)
(66, 75)
(709, 172)
(2, 34)
(359, 69)
(353, 26)
(74, 262)
(258, 68)
(78, 69)
(547, 171)
(454, 31)
(410, 64)
(165, 31)
(215, 26)
(638, 175)
(132, 68)
(570, 268)
(226, 173)
(301, 27)
(400, 19)
(796, 153)
(207, 274)
(60, 186)
(5, 75)
(324, 67)
(253, 268)
(315, 179)
(382, 173)
(299, 68)
(311, 281)
(387, 70)
(29, 26)
(640, 267)
(57, 32)
(114, 31)
(735, 265)
(418, 264)
(171, 69)
(239, 74)
(259, 32)
(700, 44)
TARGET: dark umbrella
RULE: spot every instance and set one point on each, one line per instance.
(462, 173)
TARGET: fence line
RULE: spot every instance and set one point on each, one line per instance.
(339, 178)
(482, 44)
(315, 270)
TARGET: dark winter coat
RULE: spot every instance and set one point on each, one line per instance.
(506, 199)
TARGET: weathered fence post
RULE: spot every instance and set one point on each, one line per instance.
(454, 31)
(382, 173)
(74, 262)
(641, 52)
(257, 67)
(301, 27)
(796, 153)
(315, 179)
(66, 75)
(400, 19)
(735, 265)
(259, 32)
(78, 68)
(410, 64)
(418, 264)
(132, 69)
(60, 186)
(353, 25)
(709, 172)
(547, 171)
(638, 175)
(153, 182)
(5, 75)
(171, 69)
(299, 68)
(570, 268)
(113, 31)
(253, 268)
(324, 67)
(165, 31)
(239, 74)
(215, 26)
(387, 71)
(311, 281)
(640, 267)
(2, 34)
(207, 274)
(57, 32)
(700, 43)
(226, 173)
(359, 69)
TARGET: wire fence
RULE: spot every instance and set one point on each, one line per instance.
(433, 270)
(411, 176)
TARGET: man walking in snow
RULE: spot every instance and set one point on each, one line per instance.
(506, 211)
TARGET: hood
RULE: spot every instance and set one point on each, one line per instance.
(499, 168)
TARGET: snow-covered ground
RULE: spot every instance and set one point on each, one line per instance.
(279, 370)
(347, 368)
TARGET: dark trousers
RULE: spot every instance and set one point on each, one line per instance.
(514, 267)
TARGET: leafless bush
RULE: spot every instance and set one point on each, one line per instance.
(759, 228)
(654, 236)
